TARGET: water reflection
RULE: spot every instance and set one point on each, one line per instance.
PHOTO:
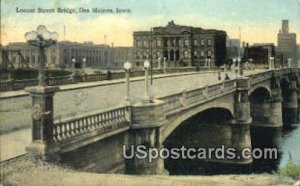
(285, 139)
(290, 144)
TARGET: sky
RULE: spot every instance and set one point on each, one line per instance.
(259, 20)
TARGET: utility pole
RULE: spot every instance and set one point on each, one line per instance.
(240, 42)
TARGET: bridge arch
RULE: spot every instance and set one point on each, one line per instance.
(267, 88)
(210, 128)
(227, 111)
(260, 105)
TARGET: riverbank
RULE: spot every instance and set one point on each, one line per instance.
(34, 172)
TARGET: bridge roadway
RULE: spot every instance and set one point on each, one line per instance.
(82, 98)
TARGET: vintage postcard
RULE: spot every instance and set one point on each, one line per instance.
(141, 92)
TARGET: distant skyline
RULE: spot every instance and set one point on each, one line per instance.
(260, 20)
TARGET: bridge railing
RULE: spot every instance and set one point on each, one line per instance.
(187, 97)
(54, 81)
(172, 101)
(94, 77)
(195, 95)
(100, 122)
(256, 78)
(10, 85)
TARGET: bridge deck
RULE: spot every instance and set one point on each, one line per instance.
(77, 101)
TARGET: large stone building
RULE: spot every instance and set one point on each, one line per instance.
(286, 43)
(259, 53)
(179, 45)
(233, 48)
(21, 55)
(96, 55)
(119, 55)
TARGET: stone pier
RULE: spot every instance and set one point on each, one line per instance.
(147, 118)
(242, 119)
(43, 144)
(275, 118)
(290, 103)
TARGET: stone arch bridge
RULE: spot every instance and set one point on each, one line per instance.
(94, 142)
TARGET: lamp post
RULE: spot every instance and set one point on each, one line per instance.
(42, 39)
(73, 65)
(289, 62)
(165, 64)
(238, 71)
(127, 66)
(83, 64)
(239, 67)
(42, 143)
(233, 66)
(159, 63)
(250, 62)
(271, 63)
(9, 68)
(146, 93)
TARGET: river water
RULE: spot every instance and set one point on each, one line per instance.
(285, 139)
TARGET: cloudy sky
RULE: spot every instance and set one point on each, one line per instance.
(259, 20)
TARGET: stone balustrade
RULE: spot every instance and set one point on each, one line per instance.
(262, 77)
(171, 101)
(102, 122)
(187, 97)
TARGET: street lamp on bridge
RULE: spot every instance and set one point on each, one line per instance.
(146, 93)
(234, 66)
(42, 39)
(83, 64)
(127, 66)
(73, 65)
(42, 142)
(159, 63)
(271, 63)
(289, 62)
(238, 66)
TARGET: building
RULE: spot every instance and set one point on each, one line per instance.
(286, 42)
(259, 53)
(22, 54)
(179, 45)
(298, 53)
(119, 55)
(96, 55)
(233, 48)
(233, 42)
